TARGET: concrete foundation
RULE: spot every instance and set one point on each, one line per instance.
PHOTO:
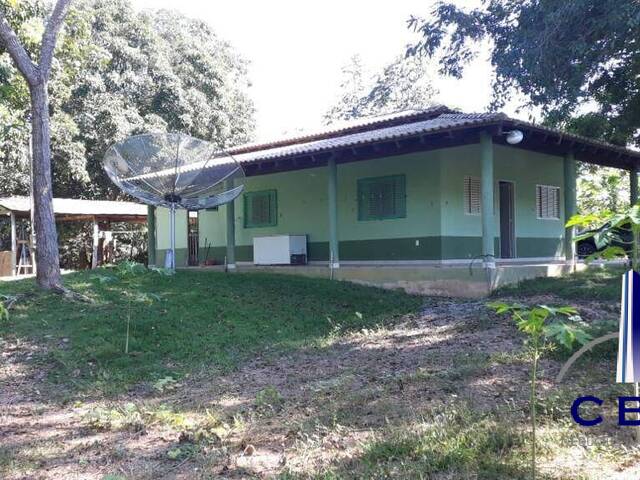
(439, 280)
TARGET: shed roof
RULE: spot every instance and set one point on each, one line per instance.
(71, 207)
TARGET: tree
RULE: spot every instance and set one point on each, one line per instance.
(561, 55)
(37, 78)
(403, 84)
(121, 72)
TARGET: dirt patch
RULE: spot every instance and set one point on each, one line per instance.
(299, 412)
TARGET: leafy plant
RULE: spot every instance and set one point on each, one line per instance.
(608, 228)
(4, 313)
(269, 399)
(542, 325)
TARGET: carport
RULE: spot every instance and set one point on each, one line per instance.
(19, 259)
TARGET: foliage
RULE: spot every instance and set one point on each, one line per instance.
(401, 85)
(4, 313)
(561, 55)
(120, 72)
(608, 227)
(602, 190)
(204, 318)
(540, 324)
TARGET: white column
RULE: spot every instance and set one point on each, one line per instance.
(94, 252)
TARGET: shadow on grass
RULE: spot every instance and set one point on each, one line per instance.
(200, 319)
(595, 283)
(454, 443)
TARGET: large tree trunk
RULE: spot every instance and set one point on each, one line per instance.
(47, 257)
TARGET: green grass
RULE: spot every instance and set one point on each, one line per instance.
(202, 319)
(454, 442)
(592, 284)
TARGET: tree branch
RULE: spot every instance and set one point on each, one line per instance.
(50, 35)
(17, 52)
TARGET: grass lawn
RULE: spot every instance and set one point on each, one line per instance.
(184, 322)
(592, 284)
(252, 376)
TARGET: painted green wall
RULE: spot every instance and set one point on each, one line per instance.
(435, 226)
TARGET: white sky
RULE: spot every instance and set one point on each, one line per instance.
(297, 49)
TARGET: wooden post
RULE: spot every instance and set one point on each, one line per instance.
(334, 257)
(486, 188)
(14, 243)
(569, 206)
(94, 250)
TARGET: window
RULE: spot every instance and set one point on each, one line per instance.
(382, 197)
(472, 195)
(260, 209)
(548, 202)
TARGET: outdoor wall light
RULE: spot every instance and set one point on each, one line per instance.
(514, 137)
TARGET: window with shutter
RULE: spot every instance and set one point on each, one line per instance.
(548, 202)
(260, 209)
(380, 198)
(472, 195)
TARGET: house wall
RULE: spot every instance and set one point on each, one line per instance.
(435, 226)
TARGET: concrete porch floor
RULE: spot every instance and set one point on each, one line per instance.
(452, 280)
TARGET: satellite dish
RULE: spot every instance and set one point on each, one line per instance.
(174, 171)
(514, 137)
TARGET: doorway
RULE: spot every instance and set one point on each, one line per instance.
(192, 238)
(507, 220)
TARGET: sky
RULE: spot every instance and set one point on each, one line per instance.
(297, 49)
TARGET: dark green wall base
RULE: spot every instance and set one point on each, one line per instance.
(399, 249)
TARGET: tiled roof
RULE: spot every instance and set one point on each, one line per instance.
(72, 206)
(348, 126)
(397, 126)
(443, 121)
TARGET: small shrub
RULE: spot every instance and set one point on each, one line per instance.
(269, 399)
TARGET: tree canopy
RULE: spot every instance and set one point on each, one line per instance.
(563, 55)
(119, 72)
(402, 84)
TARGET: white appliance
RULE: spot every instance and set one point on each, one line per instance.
(280, 250)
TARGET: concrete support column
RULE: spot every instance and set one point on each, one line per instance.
(151, 235)
(334, 256)
(569, 205)
(633, 185)
(14, 243)
(231, 235)
(486, 188)
(94, 250)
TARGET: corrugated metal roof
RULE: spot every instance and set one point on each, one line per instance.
(72, 206)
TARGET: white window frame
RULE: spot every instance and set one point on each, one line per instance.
(467, 199)
(548, 187)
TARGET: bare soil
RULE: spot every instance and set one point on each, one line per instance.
(300, 412)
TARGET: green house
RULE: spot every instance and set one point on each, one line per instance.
(434, 201)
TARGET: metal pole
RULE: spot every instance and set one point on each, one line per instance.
(173, 237)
